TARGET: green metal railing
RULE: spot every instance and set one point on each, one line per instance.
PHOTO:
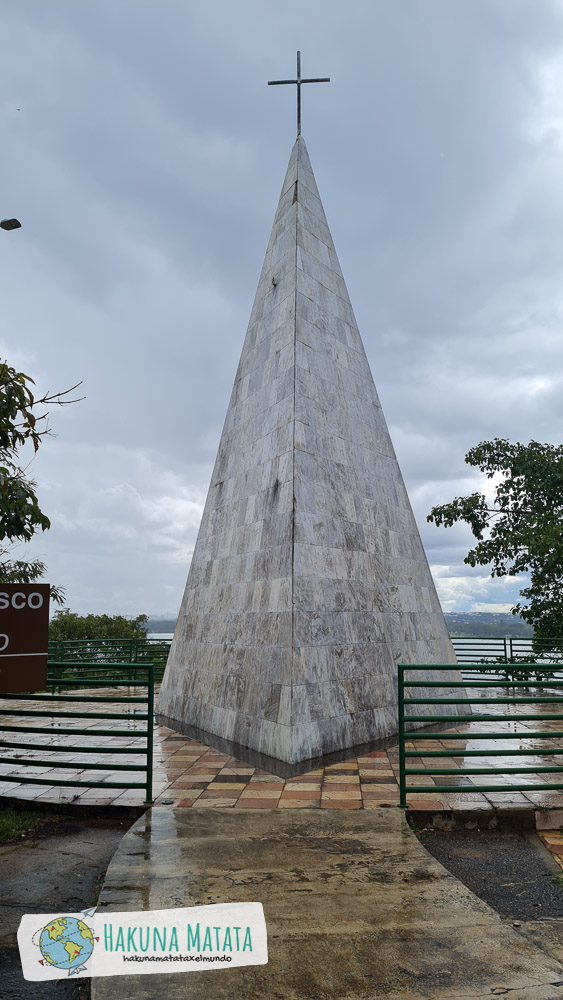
(80, 659)
(99, 749)
(124, 650)
(476, 716)
(468, 649)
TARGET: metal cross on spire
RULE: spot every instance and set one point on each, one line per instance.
(299, 81)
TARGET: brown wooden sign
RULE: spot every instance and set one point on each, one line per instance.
(24, 636)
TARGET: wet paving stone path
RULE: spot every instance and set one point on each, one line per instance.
(191, 774)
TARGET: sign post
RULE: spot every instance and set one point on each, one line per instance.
(24, 636)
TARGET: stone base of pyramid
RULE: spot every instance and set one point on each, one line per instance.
(273, 765)
(238, 696)
(308, 582)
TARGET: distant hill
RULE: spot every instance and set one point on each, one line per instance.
(460, 623)
(486, 623)
(160, 625)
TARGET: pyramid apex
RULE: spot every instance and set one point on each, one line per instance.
(298, 160)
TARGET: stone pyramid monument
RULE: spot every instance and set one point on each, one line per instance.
(308, 582)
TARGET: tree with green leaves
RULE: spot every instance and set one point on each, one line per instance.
(67, 624)
(20, 514)
(520, 530)
(105, 638)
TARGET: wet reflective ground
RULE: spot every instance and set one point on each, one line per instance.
(192, 774)
(355, 908)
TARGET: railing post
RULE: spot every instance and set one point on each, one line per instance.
(401, 709)
(150, 713)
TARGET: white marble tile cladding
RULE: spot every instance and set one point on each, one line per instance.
(308, 582)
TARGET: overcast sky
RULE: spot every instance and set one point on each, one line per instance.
(144, 154)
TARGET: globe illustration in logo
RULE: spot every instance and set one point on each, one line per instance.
(66, 943)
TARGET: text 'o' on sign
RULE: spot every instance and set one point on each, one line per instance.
(24, 636)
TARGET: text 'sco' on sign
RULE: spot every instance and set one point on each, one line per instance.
(24, 636)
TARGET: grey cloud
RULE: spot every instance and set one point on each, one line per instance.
(146, 164)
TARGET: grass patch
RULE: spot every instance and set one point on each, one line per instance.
(16, 823)
(420, 834)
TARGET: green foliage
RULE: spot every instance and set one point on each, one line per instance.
(98, 639)
(543, 671)
(20, 514)
(521, 531)
(482, 624)
(21, 571)
(18, 423)
(67, 624)
(17, 823)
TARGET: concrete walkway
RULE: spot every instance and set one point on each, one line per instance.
(356, 909)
